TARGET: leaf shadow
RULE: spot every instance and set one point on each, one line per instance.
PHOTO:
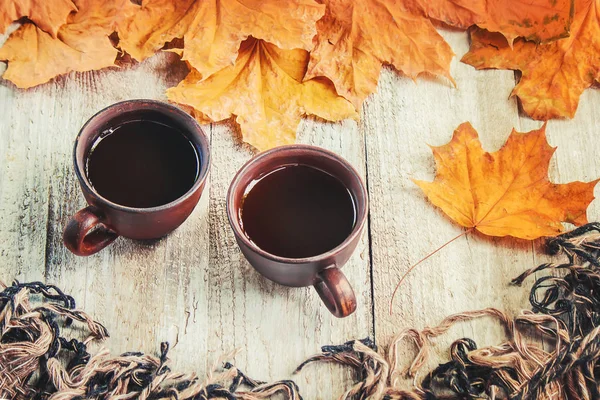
(168, 66)
(509, 242)
(423, 76)
(316, 118)
(234, 129)
(445, 26)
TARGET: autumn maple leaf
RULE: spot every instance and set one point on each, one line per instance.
(47, 15)
(264, 90)
(355, 37)
(554, 75)
(506, 193)
(212, 31)
(83, 44)
(536, 20)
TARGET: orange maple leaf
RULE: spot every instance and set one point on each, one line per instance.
(554, 74)
(506, 193)
(47, 15)
(83, 44)
(264, 90)
(212, 31)
(355, 37)
(536, 20)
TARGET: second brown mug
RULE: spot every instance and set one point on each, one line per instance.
(323, 270)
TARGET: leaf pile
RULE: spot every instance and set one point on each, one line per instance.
(506, 193)
(554, 75)
(355, 37)
(81, 44)
(265, 62)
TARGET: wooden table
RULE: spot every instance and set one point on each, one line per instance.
(195, 289)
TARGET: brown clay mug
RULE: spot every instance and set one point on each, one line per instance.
(321, 271)
(98, 225)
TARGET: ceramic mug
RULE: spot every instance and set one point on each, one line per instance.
(98, 225)
(321, 271)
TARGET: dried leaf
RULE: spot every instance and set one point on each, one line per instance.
(213, 31)
(264, 90)
(47, 15)
(537, 20)
(506, 193)
(554, 74)
(355, 37)
(34, 57)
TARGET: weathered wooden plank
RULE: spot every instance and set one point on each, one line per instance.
(193, 287)
(474, 271)
(144, 292)
(577, 143)
(23, 187)
(278, 327)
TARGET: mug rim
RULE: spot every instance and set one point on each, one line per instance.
(202, 147)
(239, 233)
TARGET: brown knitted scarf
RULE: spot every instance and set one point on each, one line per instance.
(37, 361)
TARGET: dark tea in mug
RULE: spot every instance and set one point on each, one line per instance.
(297, 211)
(142, 164)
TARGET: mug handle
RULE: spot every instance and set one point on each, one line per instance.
(336, 292)
(87, 232)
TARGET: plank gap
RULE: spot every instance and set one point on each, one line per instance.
(370, 239)
(48, 243)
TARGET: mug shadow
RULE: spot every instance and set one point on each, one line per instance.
(303, 300)
(150, 242)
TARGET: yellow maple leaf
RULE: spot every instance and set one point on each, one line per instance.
(264, 90)
(213, 30)
(83, 44)
(554, 75)
(47, 15)
(506, 193)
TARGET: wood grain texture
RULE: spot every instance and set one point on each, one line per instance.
(277, 327)
(473, 272)
(144, 292)
(195, 289)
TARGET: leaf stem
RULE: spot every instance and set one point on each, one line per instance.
(420, 261)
